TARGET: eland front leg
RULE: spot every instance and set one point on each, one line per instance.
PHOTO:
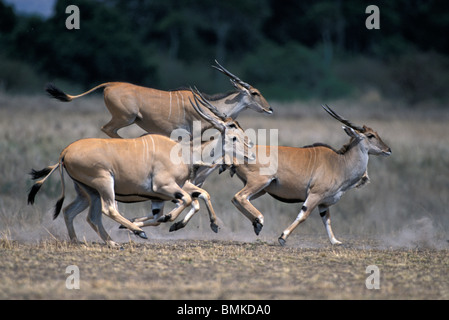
(197, 192)
(242, 199)
(174, 192)
(325, 215)
(308, 206)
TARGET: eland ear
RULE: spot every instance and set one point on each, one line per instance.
(216, 118)
(351, 132)
(239, 87)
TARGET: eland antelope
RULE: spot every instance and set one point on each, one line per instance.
(201, 172)
(316, 175)
(161, 112)
(132, 170)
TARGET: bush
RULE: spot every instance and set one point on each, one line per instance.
(421, 76)
(292, 71)
(413, 77)
(17, 76)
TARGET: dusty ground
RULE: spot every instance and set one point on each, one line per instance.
(216, 269)
(404, 206)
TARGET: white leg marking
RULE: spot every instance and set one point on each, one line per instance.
(327, 225)
(300, 216)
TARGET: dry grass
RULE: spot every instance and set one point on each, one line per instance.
(198, 269)
(398, 222)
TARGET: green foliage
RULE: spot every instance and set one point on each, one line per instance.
(104, 49)
(421, 76)
(289, 49)
(16, 76)
(7, 18)
(292, 71)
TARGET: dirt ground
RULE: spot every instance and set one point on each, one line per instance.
(217, 269)
(404, 209)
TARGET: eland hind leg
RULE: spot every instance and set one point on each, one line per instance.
(123, 109)
(94, 219)
(95, 213)
(157, 208)
(105, 188)
(73, 209)
(115, 124)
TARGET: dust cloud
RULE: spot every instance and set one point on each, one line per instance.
(418, 233)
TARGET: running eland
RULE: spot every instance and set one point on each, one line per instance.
(161, 112)
(317, 175)
(132, 170)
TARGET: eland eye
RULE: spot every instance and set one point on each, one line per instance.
(370, 136)
(234, 139)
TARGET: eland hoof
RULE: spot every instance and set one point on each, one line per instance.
(257, 226)
(141, 234)
(282, 241)
(176, 226)
(214, 227)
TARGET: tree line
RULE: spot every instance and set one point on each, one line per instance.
(290, 49)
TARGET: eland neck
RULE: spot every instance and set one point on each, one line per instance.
(355, 160)
(231, 105)
(207, 153)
